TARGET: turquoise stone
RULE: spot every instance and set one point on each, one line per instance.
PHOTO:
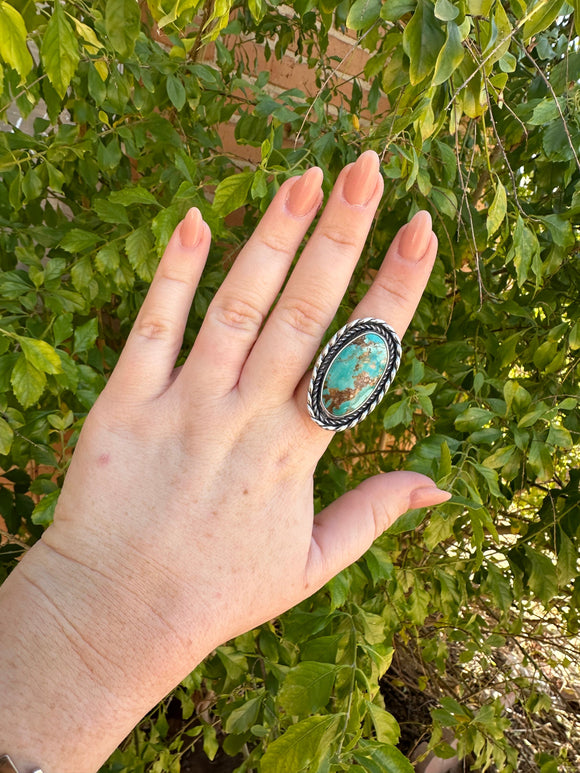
(354, 373)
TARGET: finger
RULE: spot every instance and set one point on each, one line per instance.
(236, 313)
(396, 290)
(399, 284)
(293, 331)
(348, 527)
(146, 364)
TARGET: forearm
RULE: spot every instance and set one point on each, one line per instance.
(69, 691)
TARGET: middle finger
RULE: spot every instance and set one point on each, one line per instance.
(317, 285)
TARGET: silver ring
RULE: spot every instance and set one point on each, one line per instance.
(352, 373)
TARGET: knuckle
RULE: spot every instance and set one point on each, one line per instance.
(239, 315)
(154, 328)
(340, 239)
(275, 244)
(304, 317)
(389, 291)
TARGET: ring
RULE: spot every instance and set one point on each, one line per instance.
(352, 373)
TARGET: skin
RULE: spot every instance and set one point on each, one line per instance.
(187, 513)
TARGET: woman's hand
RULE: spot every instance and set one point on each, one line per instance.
(187, 513)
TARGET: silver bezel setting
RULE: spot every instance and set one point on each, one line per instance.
(339, 340)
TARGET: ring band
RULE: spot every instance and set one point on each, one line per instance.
(352, 373)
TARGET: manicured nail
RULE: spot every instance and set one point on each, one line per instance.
(416, 236)
(305, 193)
(427, 496)
(191, 228)
(361, 180)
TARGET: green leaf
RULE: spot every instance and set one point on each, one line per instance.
(499, 457)
(497, 210)
(59, 50)
(542, 17)
(77, 240)
(392, 10)
(243, 717)
(300, 745)
(41, 355)
(498, 587)
(6, 437)
(540, 461)
(525, 248)
(386, 726)
(27, 381)
(13, 47)
(134, 195)
(307, 688)
(139, 249)
(542, 577)
(109, 212)
(472, 419)
(123, 23)
(450, 56)
(43, 513)
(232, 193)
(86, 335)
(574, 337)
(384, 758)
(363, 13)
(107, 259)
(559, 436)
(566, 566)
(258, 9)
(445, 10)
(176, 91)
(423, 39)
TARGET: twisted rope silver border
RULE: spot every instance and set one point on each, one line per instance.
(339, 340)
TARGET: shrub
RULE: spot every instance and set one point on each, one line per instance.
(112, 114)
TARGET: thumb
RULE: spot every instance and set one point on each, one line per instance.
(347, 528)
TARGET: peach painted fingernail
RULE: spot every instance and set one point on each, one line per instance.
(428, 496)
(305, 193)
(191, 229)
(361, 180)
(416, 236)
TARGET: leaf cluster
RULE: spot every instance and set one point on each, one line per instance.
(113, 117)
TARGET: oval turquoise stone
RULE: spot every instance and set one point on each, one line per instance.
(354, 373)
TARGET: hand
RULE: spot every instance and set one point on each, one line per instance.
(186, 517)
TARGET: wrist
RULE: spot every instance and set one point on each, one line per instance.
(77, 668)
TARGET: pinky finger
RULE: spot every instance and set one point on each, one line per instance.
(145, 368)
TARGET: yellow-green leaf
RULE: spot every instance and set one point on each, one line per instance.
(450, 56)
(423, 39)
(232, 193)
(6, 437)
(123, 23)
(13, 47)
(91, 42)
(41, 355)
(545, 12)
(27, 381)
(59, 51)
(363, 13)
(497, 210)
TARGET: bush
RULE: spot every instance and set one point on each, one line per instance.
(480, 600)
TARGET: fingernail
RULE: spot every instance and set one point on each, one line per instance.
(361, 180)
(305, 193)
(416, 236)
(191, 228)
(427, 496)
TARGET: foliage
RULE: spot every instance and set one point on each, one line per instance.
(483, 130)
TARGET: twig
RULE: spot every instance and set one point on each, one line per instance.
(12, 540)
(344, 58)
(555, 98)
(518, 26)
